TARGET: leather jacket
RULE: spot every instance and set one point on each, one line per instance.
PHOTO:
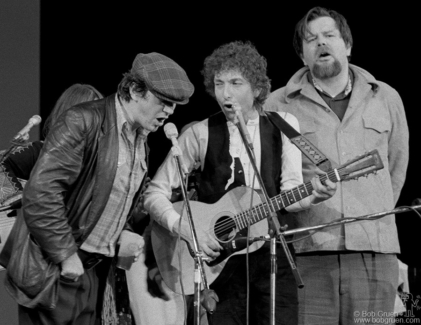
(73, 177)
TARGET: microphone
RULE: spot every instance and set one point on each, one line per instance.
(242, 126)
(171, 133)
(34, 120)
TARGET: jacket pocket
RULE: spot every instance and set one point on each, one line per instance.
(31, 279)
(376, 133)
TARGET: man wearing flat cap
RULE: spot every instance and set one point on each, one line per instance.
(79, 200)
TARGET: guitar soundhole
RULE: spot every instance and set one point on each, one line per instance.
(225, 229)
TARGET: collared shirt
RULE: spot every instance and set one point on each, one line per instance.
(194, 142)
(130, 172)
(340, 102)
(237, 150)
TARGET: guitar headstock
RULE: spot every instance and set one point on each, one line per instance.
(363, 165)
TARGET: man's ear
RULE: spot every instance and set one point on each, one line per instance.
(257, 92)
(348, 50)
(133, 94)
(302, 59)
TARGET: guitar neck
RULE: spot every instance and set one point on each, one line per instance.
(278, 202)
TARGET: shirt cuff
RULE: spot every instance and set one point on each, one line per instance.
(171, 218)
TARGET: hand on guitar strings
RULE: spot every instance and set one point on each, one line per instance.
(321, 191)
(208, 244)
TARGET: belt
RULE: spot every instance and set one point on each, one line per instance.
(90, 260)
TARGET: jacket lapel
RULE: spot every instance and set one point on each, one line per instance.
(107, 158)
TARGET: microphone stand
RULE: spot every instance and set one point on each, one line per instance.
(274, 235)
(373, 216)
(22, 136)
(199, 273)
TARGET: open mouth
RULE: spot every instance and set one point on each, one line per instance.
(324, 55)
(161, 119)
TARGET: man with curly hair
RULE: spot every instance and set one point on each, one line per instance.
(235, 75)
(352, 269)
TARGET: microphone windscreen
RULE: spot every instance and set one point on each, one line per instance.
(35, 120)
(170, 130)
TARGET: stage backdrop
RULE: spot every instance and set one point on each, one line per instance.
(19, 96)
(19, 67)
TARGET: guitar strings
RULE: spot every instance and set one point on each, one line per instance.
(226, 225)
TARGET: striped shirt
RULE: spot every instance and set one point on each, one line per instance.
(130, 172)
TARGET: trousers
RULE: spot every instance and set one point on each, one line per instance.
(79, 302)
(232, 292)
(341, 288)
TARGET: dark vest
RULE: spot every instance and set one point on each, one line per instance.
(217, 163)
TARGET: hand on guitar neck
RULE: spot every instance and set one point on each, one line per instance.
(321, 191)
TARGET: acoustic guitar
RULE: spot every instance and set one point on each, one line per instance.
(228, 219)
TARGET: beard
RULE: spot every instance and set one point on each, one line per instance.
(326, 71)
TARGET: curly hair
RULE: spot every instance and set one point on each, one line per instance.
(128, 80)
(302, 27)
(243, 57)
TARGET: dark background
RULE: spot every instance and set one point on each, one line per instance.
(96, 44)
(45, 46)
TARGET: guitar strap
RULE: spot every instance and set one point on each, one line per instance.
(302, 143)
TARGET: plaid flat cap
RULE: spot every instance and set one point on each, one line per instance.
(164, 78)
